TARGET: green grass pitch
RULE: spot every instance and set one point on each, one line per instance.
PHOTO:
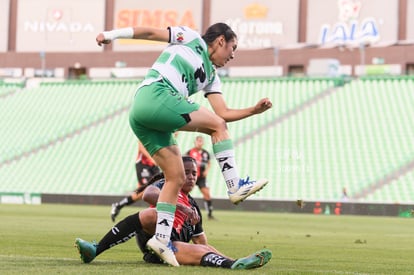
(39, 240)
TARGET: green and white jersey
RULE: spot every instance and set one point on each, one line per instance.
(185, 64)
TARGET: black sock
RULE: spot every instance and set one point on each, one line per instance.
(213, 259)
(209, 207)
(125, 201)
(130, 200)
(120, 233)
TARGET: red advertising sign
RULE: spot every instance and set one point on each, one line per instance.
(156, 13)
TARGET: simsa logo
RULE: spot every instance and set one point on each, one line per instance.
(155, 18)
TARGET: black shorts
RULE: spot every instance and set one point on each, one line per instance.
(145, 172)
(201, 182)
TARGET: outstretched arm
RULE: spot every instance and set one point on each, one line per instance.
(219, 106)
(146, 33)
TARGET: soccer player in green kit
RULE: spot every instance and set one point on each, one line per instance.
(161, 106)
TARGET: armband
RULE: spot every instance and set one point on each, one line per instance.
(119, 33)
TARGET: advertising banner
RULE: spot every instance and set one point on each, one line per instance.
(59, 26)
(4, 24)
(352, 22)
(155, 13)
(259, 24)
(410, 20)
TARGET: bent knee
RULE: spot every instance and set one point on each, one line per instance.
(178, 179)
(181, 179)
(220, 125)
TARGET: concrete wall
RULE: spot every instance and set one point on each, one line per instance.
(331, 208)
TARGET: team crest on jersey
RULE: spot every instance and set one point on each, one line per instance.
(180, 37)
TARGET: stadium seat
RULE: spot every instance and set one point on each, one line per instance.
(74, 138)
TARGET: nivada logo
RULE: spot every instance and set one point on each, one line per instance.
(57, 14)
(56, 23)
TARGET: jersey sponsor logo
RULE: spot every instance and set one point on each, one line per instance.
(199, 49)
(145, 173)
(200, 73)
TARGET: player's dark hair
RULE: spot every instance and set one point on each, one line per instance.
(216, 30)
(160, 176)
(188, 158)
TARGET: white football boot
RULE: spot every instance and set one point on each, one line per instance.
(164, 251)
(247, 187)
